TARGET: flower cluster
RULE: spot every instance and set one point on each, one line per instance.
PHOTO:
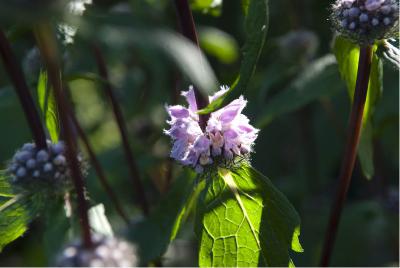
(107, 252)
(228, 132)
(366, 20)
(31, 165)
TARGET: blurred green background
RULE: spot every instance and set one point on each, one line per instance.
(299, 147)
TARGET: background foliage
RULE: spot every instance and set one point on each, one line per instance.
(296, 97)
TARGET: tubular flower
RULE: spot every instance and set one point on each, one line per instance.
(365, 21)
(228, 132)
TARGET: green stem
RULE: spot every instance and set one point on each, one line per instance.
(350, 155)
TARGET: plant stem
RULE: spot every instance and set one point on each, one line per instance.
(188, 30)
(15, 72)
(350, 155)
(97, 167)
(135, 174)
(48, 50)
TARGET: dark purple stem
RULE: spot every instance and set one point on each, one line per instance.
(134, 171)
(48, 50)
(97, 167)
(188, 30)
(15, 72)
(350, 155)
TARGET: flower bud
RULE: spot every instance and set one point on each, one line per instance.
(106, 252)
(31, 168)
(366, 21)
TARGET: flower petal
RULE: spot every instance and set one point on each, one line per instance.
(190, 98)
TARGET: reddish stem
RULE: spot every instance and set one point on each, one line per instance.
(96, 164)
(48, 49)
(188, 30)
(350, 155)
(134, 171)
(15, 72)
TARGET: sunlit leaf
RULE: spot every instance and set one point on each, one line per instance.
(256, 27)
(347, 54)
(5, 187)
(218, 44)
(243, 220)
(212, 7)
(15, 215)
(48, 106)
(319, 79)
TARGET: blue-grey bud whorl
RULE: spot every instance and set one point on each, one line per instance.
(106, 252)
(31, 167)
(365, 21)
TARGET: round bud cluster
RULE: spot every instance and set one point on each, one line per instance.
(366, 20)
(31, 166)
(106, 252)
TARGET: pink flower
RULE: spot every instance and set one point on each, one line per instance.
(228, 132)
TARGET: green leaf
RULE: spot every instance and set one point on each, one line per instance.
(347, 54)
(48, 106)
(245, 6)
(98, 220)
(243, 220)
(218, 44)
(319, 79)
(212, 7)
(15, 215)
(154, 234)
(86, 76)
(256, 27)
(5, 187)
(179, 49)
(57, 225)
(365, 151)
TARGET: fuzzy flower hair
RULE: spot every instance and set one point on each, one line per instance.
(228, 132)
(366, 21)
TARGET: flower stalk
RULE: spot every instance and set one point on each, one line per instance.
(350, 155)
(134, 171)
(15, 72)
(97, 167)
(48, 50)
(188, 30)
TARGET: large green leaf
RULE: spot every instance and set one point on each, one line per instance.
(117, 31)
(256, 27)
(347, 54)
(319, 79)
(153, 234)
(15, 215)
(243, 220)
(48, 106)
